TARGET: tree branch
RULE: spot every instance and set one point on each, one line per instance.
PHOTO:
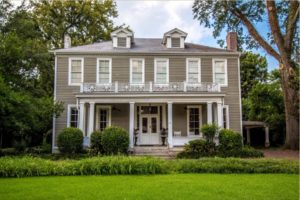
(274, 25)
(291, 24)
(253, 32)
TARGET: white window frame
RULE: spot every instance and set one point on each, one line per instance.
(70, 68)
(98, 107)
(110, 70)
(227, 115)
(213, 70)
(70, 106)
(187, 67)
(143, 70)
(155, 70)
(188, 119)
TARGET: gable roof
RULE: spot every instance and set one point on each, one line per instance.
(125, 30)
(174, 30)
(144, 45)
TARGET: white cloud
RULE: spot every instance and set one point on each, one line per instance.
(153, 18)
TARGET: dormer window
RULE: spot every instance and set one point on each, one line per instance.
(175, 42)
(122, 38)
(122, 41)
(174, 38)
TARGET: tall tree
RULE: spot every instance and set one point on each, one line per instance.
(253, 71)
(86, 21)
(281, 42)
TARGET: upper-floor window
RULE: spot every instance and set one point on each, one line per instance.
(220, 71)
(104, 70)
(175, 42)
(137, 70)
(161, 71)
(122, 41)
(75, 71)
(193, 70)
(72, 116)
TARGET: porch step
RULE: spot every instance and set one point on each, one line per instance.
(156, 151)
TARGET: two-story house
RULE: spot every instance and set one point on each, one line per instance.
(147, 84)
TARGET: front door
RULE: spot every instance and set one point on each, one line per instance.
(149, 134)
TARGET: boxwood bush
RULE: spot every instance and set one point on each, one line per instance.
(96, 145)
(197, 149)
(209, 131)
(115, 140)
(70, 140)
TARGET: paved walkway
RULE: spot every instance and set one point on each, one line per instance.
(282, 154)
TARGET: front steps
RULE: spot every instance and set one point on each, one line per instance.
(157, 151)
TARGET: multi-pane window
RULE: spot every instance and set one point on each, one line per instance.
(193, 70)
(104, 71)
(73, 117)
(75, 71)
(220, 72)
(194, 121)
(161, 71)
(225, 117)
(137, 71)
(103, 118)
(121, 41)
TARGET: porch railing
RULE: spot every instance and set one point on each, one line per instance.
(123, 87)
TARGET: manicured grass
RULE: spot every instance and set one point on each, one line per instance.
(158, 187)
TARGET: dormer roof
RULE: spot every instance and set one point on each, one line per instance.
(120, 31)
(173, 32)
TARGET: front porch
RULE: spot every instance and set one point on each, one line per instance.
(147, 119)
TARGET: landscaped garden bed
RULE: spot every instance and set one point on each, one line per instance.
(114, 165)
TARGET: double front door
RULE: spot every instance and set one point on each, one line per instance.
(149, 126)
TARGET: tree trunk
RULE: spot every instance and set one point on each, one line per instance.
(291, 102)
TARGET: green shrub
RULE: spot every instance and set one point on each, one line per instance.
(209, 131)
(70, 140)
(229, 140)
(115, 141)
(96, 145)
(245, 152)
(113, 165)
(198, 149)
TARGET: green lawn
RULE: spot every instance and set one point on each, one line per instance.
(160, 187)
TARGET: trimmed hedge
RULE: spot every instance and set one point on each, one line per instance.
(70, 140)
(96, 146)
(229, 141)
(115, 140)
(113, 165)
(197, 149)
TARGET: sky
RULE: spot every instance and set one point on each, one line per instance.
(151, 19)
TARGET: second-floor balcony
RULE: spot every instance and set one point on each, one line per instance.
(149, 87)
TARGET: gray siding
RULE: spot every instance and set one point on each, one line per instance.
(120, 72)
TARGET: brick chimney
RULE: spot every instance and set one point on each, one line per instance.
(231, 40)
(67, 41)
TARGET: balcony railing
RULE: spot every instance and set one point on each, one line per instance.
(120, 87)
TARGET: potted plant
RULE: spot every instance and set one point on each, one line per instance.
(136, 135)
(163, 135)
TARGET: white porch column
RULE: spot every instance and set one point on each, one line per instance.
(220, 115)
(131, 123)
(267, 141)
(164, 117)
(91, 118)
(248, 136)
(170, 124)
(81, 117)
(209, 113)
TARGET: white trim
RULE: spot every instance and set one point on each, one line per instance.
(187, 71)
(69, 72)
(98, 107)
(227, 115)
(240, 96)
(69, 114)
(110, 70)
(155, 70)
(226, 72)
(188, 119)
(143, 69)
